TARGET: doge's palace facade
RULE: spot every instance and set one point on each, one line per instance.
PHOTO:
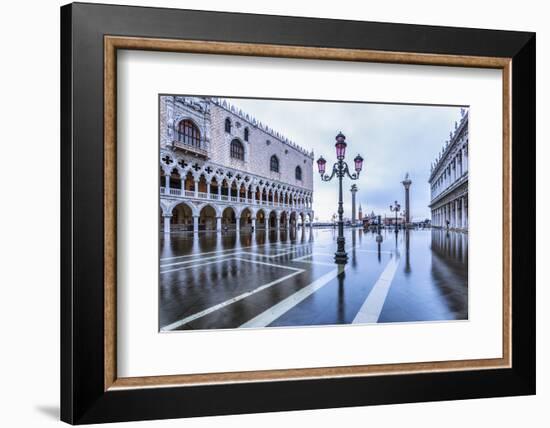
(449, 180)
(221, 169)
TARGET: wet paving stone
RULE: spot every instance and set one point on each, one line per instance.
(284, 279)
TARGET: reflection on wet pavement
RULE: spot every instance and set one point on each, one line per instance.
(273, 279)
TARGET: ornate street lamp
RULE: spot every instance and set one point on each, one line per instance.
(340, 169)
(395, 208)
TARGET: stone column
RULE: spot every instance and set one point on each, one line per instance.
(167, 218)
(353, 191)
(219, 191)
(167, 184)
(208, 190)
(460, 202)
(196, 188)
(237, 224)
(407, 184)
(455, 164)
(195, 223)
(287, 221)
(466, 214)
(218, 224)
(456, 212)
(278, 222)
(253, 224)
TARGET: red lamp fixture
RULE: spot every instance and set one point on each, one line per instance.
(321, 163)
(358, 163)
(340, 146)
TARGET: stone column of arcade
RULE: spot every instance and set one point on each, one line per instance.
(278, 222)
(463, 212)
(195, 223)
(253, 220)
(218, 224)
(167, 218)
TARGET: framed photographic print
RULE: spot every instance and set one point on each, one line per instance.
(265, 213)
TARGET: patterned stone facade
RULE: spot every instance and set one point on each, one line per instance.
(449, 180)
(222, 169)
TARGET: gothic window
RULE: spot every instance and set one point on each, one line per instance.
(274, 164)
(227, 125)
(298, 173)
(245, 134)
(237, 150)
(188, 133)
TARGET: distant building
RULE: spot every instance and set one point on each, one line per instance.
(222, 169)
(369, 220)
(449, 180)
(390, 221)
(360, 213)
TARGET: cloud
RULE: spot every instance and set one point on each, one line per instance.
(392, 138)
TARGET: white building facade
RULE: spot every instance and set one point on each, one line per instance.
(221, 169)
(449, 180)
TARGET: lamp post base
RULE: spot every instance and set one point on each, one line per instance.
(340, 258)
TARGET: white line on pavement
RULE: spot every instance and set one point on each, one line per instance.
(202, 259)
(275, 244)
(374, 251)
(232, 257)
(269, 264)
(237, 253)
(269, 255)
(200, 314)
(271, 314)
(372, 306)
(192, 266)
(311, 255)
(312, 262)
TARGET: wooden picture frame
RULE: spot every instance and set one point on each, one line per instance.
(91, 390)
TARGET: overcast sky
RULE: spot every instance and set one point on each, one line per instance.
(393, 140)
